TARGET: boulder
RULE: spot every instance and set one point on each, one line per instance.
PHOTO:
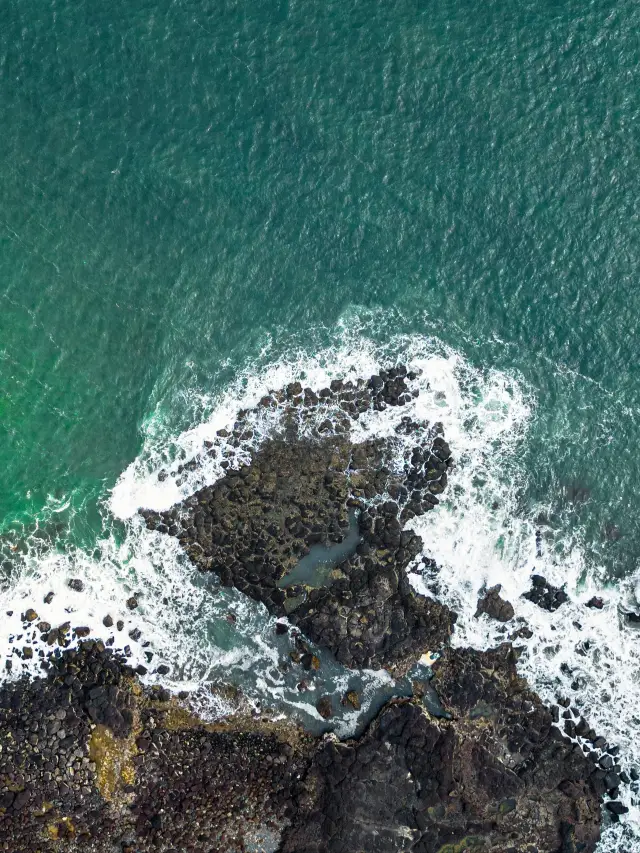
(494, 606)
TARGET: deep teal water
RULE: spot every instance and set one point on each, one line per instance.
(181, 181)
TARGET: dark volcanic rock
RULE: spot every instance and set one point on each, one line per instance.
(544, 594)
(495, 606)
(256, 523)
(497, 776)
(324, 707)
(92, 761)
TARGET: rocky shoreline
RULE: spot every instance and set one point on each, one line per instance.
(92, 759)
(255, 523)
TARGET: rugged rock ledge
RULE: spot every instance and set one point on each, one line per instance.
(253, 525)
(494, 776)
(93, 761)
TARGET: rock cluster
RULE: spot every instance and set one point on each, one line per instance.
(93, 761)
(544, 594)
(255, 523)
(495, 774)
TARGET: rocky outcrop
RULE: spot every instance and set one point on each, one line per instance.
(495, 776)
(495, 606)
(544, 594)
(93, 761)
(254, 524)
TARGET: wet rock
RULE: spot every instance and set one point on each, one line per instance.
(495, 606)
(352, 699)
(29, 615)
(523, 633)
(107, 622)
(324, 707)
(545, 595)
(596, 603)
(310, 661)
(616, 807)
(453, 780)
(252, 527)
(132, 603)
(76, 584)
(49, 597)
(496, 769)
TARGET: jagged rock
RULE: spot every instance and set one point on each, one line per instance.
(495, 606)
(545, 595)
(497, 775)
(254, 524)
(93, 761)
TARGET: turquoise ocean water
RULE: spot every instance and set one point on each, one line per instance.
(197, 195)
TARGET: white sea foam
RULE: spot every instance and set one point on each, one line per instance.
(479, 535)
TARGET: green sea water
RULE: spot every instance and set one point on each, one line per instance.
(180, 180)
(188, 188)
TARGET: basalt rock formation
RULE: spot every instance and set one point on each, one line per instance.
(93, 761)
(496, 776)
(254, 524)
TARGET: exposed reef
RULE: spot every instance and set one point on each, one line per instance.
(495, 774)
(254, 524)
(91, 760)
